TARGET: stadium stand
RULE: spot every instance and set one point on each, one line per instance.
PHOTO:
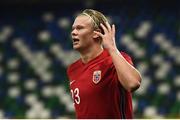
(35, 50)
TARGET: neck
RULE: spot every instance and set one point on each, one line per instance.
(91, 53)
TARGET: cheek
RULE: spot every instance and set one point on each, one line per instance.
(87, 35)
(86, 40)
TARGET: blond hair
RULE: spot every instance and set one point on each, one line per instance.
(97, 18)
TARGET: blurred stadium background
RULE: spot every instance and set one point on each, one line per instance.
(35, 50)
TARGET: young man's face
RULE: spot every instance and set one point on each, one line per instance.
(82, 33)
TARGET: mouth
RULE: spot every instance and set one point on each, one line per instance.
(75, 40)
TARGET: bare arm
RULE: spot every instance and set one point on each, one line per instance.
(128, 76)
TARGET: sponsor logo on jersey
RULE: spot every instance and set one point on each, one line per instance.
(96, 76)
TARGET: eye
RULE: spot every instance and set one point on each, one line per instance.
(79, 27)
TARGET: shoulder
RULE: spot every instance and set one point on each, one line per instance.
(127, 57)
(73, 66)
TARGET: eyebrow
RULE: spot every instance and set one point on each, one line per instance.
(77, 26)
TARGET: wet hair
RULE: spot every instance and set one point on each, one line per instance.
(97, 18)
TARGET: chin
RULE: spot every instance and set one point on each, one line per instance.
(76, 47)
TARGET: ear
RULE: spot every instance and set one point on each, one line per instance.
(95, 36)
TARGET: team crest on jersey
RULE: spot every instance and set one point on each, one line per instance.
(96, 76)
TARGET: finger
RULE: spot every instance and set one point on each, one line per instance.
(104, 28)
(108, 26)
(113, 30)
(98, 33)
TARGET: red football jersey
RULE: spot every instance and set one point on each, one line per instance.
(96, 90)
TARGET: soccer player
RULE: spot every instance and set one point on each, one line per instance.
(102, 80)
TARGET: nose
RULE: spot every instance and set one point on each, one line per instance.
(74, 32)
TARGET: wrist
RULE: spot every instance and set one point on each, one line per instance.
(113, 50)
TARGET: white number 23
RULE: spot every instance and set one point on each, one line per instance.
(75, 95)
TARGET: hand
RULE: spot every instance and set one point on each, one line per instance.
(108, 38)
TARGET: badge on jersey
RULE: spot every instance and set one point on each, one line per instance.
(96, 76)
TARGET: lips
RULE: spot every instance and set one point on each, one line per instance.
(75, 40)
